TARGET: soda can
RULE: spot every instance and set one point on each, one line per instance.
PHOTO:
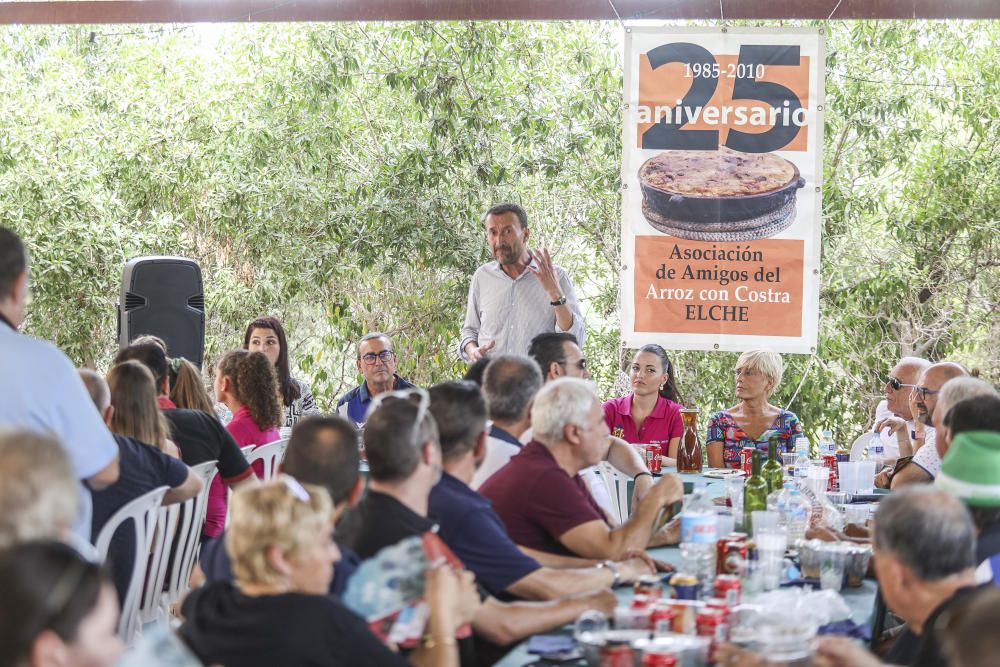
(729, 588)
(734, 560)
(720, 554)
(658, 657)
(650, 586)
(711, 623)
(727, 612)
(661, 619)
(746, 460)
(653, 461)
(616, 653)
(685, 586)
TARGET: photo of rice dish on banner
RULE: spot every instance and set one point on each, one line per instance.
(720, 195)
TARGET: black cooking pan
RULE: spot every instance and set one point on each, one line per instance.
(732, 208)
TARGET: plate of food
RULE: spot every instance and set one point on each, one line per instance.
(723, 473)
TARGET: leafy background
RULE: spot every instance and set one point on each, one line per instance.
(335, 175)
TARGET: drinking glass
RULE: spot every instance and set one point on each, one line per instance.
(725, 523)
(764, 521)
(734, 492)
(771, 543)
(833, 558)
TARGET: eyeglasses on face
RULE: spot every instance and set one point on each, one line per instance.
(370, 357)
(922, 392)
(896, 383)
(747, 372)
(582, 364)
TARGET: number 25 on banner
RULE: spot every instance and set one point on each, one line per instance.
(758, 100)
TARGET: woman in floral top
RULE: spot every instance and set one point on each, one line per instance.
(751, 421)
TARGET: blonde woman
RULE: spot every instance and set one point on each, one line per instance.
(280, 541)
(136, 413)
(748, 423)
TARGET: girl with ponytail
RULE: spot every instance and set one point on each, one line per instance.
(651, 414)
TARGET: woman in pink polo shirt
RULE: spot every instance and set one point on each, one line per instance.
(651, 413)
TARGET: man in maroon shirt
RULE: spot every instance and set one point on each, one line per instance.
(544, 503)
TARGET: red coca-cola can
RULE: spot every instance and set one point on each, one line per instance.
(746, 460)
(728, 587)
(727, 612)
(657, 657)
(661, 619)
(653, 461)
(733, 562)
(649, 585)
(616, 653)
(711, 623)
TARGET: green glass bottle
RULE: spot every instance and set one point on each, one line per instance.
(773, 471)
(754, 494)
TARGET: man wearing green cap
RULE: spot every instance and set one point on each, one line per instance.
(970, 469)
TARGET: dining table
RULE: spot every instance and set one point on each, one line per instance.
(860, 600)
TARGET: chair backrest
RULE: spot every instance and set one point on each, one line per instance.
(161, 549)
(246, 450)
(189, 529)
(142, 512)
(617, 485)
(270, 455)
(859, 446)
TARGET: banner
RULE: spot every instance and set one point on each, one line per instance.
(722, 161)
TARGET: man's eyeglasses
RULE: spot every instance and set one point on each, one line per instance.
(423, 403)
(896, 383)
(582, 364)
(370, 357)
(922, 392)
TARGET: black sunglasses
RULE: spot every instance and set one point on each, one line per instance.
(896, 383)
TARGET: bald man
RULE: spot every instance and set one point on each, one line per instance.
(893, 416)
(926, 463)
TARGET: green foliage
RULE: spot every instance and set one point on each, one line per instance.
(336, 176)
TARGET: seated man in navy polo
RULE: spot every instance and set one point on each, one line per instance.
(473, 531)
(377, 363)
(322, 451)
(404, 457)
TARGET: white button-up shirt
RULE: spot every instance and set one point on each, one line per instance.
(512, 311)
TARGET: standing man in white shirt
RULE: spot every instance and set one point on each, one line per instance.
(41, 390)
(519, 295)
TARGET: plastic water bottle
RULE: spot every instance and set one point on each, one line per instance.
(794, 510)
(800, 470)
(876, 451)
(828, 452)
(698, 536)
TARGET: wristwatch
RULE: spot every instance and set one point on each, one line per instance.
(613, 566)
(561, 301)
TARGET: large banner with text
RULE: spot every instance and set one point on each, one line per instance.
(722, 164)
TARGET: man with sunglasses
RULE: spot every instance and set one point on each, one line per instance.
(926, 463)
(894, 416)
(377, 363)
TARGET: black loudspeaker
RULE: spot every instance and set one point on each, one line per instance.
(163, 296)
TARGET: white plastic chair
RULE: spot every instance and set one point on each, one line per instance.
(182, 524)
(271, 455)
(142, 512)
(617, 485)
(247, 450)
(860, 446)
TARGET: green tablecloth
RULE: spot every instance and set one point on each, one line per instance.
(860, 600)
